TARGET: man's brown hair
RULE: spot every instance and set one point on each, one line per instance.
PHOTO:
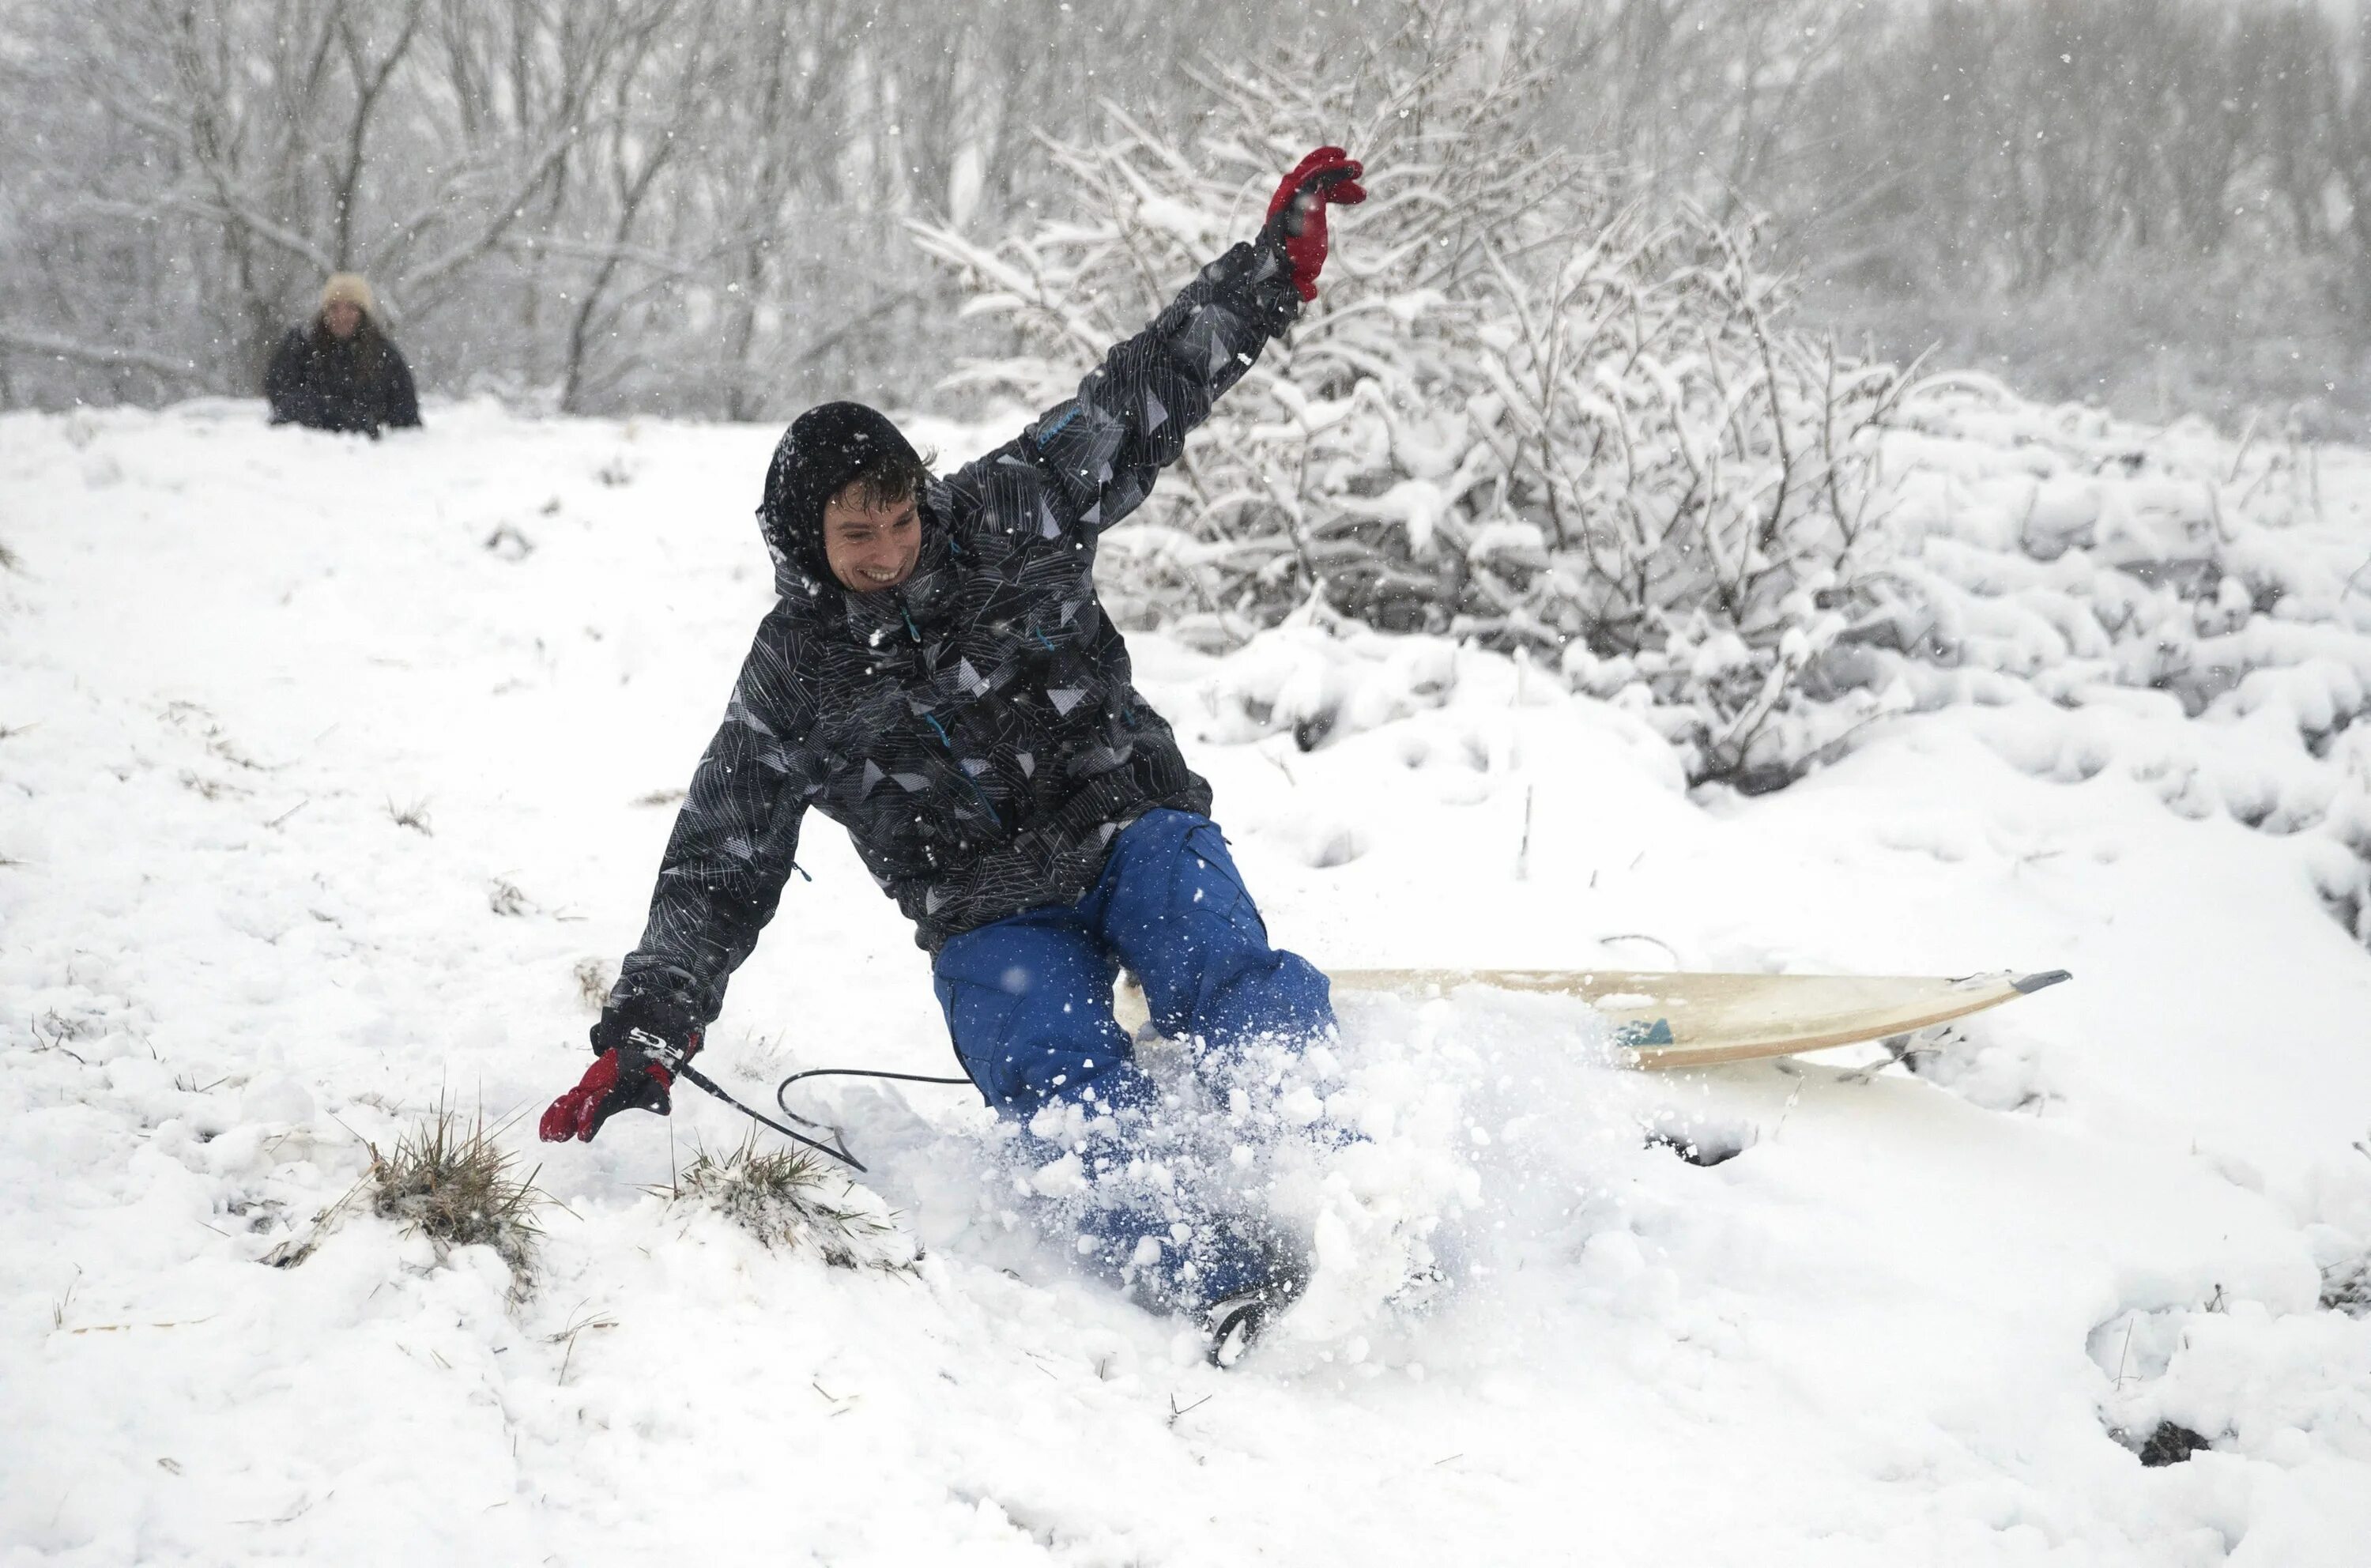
(885, 477)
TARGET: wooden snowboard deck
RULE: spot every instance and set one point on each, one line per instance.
(1662, 1020)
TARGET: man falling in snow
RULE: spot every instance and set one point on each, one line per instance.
(938, 677)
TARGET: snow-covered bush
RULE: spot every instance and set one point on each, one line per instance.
(2191, 612)
(1536, 410)
(1532, 409)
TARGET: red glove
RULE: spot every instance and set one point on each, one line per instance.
(1296, 215)
(630, 1076)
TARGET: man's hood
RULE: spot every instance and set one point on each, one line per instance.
(823, 450)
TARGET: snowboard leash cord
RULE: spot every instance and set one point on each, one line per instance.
(701, 1079)
(838, 1147)
(839, 1138)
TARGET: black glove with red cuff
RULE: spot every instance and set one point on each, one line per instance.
(1296, 214)
(641, 1045)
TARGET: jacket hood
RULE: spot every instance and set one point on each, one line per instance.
(823, 450)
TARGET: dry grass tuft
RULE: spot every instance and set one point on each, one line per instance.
(449, 1179)
(2346, 1287)
(414, 816)
(593, 980)
(789, 1198)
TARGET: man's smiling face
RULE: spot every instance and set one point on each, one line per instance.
(871, 548)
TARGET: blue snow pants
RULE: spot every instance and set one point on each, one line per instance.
(1028, 1001)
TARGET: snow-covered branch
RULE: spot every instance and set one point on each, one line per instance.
(1531, 408)
(180, 372)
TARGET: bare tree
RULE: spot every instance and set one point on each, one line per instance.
(2295, 104)
(569, 200)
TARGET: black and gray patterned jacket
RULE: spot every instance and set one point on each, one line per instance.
(975, 730)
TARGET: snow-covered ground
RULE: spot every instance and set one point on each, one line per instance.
(1898, 1328)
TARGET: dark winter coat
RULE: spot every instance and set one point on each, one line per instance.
(975, 730)
(358, 383)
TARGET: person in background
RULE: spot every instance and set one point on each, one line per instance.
(340, 372)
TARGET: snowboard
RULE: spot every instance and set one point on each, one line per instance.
(1659, 1020)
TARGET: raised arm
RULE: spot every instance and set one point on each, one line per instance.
(1103, 447)
(718, 885)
